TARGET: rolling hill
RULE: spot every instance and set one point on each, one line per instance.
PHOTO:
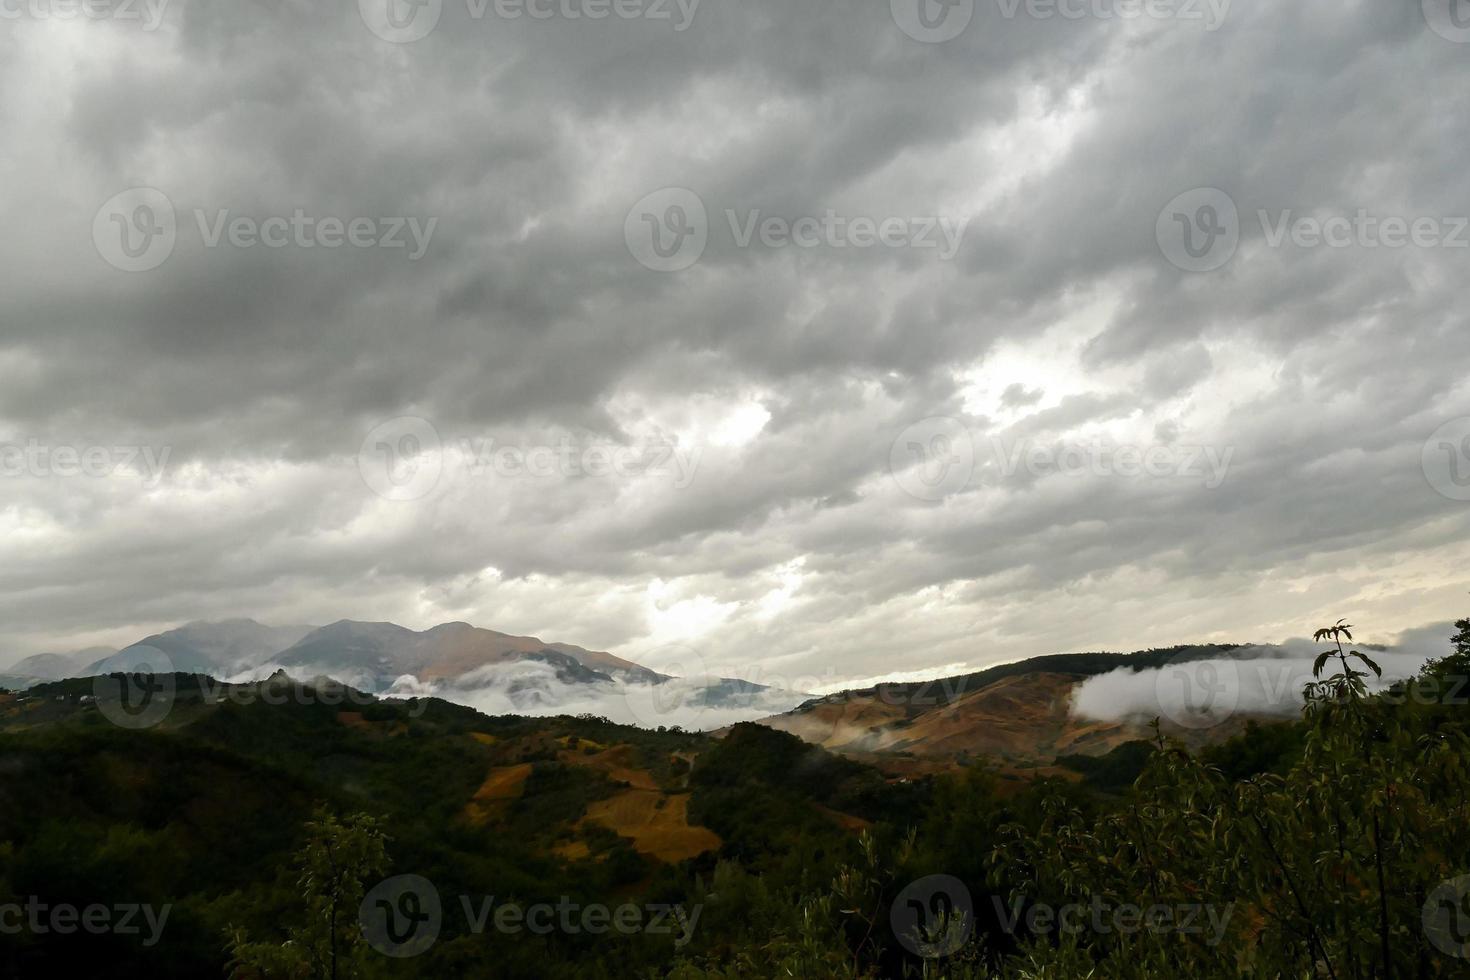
(1016, 715)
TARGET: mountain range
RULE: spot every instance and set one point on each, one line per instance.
(497, 672)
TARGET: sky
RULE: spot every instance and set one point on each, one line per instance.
(828, 340)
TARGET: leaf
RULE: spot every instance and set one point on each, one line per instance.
(1374, 667)
(1321, 662)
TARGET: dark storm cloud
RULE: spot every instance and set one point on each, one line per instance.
(785, 373)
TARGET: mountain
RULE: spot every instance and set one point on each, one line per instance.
(378, 654)
(1019, 715)
(221, 649)
(55, 666)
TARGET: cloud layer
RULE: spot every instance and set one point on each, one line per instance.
(1262, 680)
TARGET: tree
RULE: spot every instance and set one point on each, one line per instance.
(339, 855)
(1322, 872)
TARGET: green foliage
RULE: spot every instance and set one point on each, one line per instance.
(1321, 871)
(340, 860)
(1315, 844)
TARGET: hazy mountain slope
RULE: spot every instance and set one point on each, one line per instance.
(220, 649)
(54, 666)
(383, 652)
(1016, 714)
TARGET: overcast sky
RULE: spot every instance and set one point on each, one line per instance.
(1034, 374)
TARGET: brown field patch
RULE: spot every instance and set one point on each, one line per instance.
(657, 824)
(503, 785)
(616, 762)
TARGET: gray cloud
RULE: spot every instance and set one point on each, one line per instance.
(790, 372)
